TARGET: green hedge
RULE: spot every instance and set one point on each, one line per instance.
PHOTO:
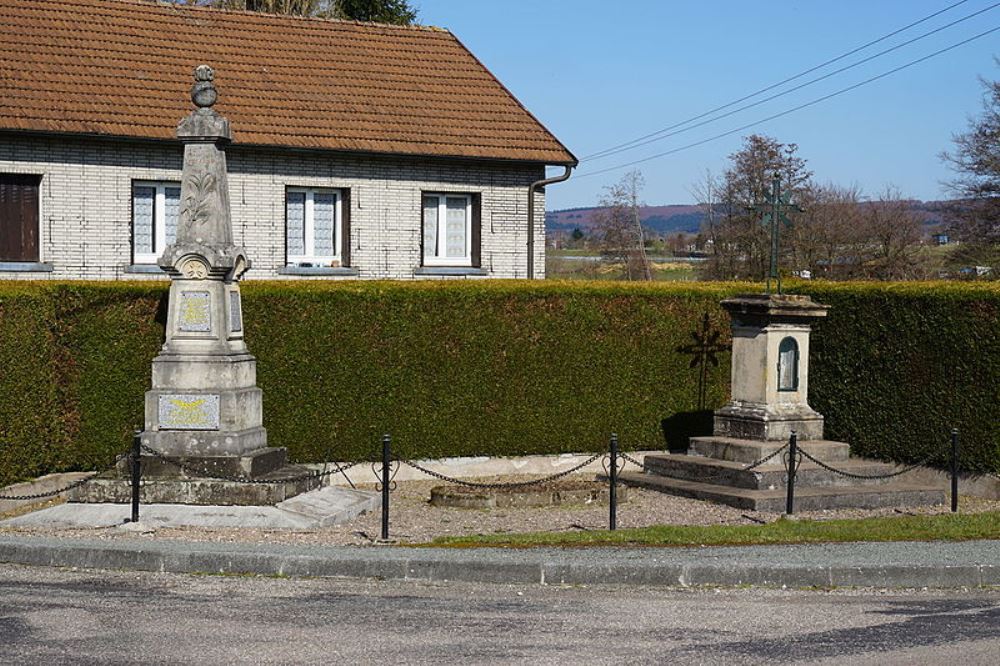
(495, 368)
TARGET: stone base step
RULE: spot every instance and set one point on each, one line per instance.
(252, 465)
(271, 489)
(770, 476)
(806, 498)
(749, 450)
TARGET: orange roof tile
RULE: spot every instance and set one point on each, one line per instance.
(124, 68)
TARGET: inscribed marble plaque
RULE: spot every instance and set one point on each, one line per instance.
(235, 313)
(195, 312)
(180, 411)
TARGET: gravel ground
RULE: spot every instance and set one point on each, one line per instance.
(414, 520)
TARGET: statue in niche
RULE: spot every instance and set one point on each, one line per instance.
(788, 365)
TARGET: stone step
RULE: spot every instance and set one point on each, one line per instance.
(199, 491)
(749, 450)
(769, 476)
(252, 465)
(815, 498)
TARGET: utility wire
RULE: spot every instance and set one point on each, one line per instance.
(796, 108)
(616, 148)
(793, 89)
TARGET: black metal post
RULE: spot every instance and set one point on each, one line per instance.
(954, 470)
(136, 473)
(613, 480)
(793, 454)
(386, 461)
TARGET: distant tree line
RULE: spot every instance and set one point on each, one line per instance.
(841, 233)
(397, 12)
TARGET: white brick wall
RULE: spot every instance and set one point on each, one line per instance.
(86, 191)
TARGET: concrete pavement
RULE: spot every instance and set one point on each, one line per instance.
(62, 616)
(894, 565)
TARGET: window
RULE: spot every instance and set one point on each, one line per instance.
(155, 211)
(451, 229)
(788, 365)
(315, 228)
(19, 217)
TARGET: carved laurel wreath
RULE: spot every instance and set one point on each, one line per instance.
(199, 203)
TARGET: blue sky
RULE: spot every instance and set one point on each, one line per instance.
(600, 73)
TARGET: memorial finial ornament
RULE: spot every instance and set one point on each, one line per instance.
(203, 92)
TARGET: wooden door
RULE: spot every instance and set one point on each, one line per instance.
(19, 217)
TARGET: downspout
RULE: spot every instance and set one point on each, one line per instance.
(531, 215)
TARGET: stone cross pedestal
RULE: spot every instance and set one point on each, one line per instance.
(204, 399)
(770, 369)
(740, 464)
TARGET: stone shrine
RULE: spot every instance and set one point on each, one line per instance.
(770, 369)
(770, 387)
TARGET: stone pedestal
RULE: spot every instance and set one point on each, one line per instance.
(770, 369)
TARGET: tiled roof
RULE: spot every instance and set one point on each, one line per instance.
(124, 68)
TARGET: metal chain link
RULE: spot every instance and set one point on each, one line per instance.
(516, 484)
(853, 475)
(701, 479)
(66, 488)
(201, 473)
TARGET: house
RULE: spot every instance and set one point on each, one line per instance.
(359, 150)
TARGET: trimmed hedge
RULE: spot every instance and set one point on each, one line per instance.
(495, 368)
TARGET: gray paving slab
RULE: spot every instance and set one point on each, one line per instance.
(318, 508)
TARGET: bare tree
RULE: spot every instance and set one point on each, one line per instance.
(975, 218)
(620, 229)
(826, 238)
(742, 244)
(893, 237)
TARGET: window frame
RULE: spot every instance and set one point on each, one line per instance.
(159, 220)
(309, 227)
(468, 259)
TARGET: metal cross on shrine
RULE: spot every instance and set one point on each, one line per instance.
(772, 211)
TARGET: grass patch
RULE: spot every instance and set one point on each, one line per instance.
(947, 527)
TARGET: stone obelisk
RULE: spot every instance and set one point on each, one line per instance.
(204, 399)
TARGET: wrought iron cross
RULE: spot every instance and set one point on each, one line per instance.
(772, 211)
(703, 351)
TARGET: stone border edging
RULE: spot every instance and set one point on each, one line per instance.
(667, 567)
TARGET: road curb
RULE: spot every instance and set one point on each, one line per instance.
(649, 566)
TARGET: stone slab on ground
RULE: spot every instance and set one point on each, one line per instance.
(319, 508)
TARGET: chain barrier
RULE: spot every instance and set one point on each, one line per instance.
(496, 486)
(701, 479)
(202, 473)
(68, 487)
(854, 475)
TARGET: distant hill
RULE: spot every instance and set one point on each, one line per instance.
(662, 219)
(687, 218)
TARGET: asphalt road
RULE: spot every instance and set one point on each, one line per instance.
(56, 616)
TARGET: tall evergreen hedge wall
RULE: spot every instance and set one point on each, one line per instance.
(496, 368)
